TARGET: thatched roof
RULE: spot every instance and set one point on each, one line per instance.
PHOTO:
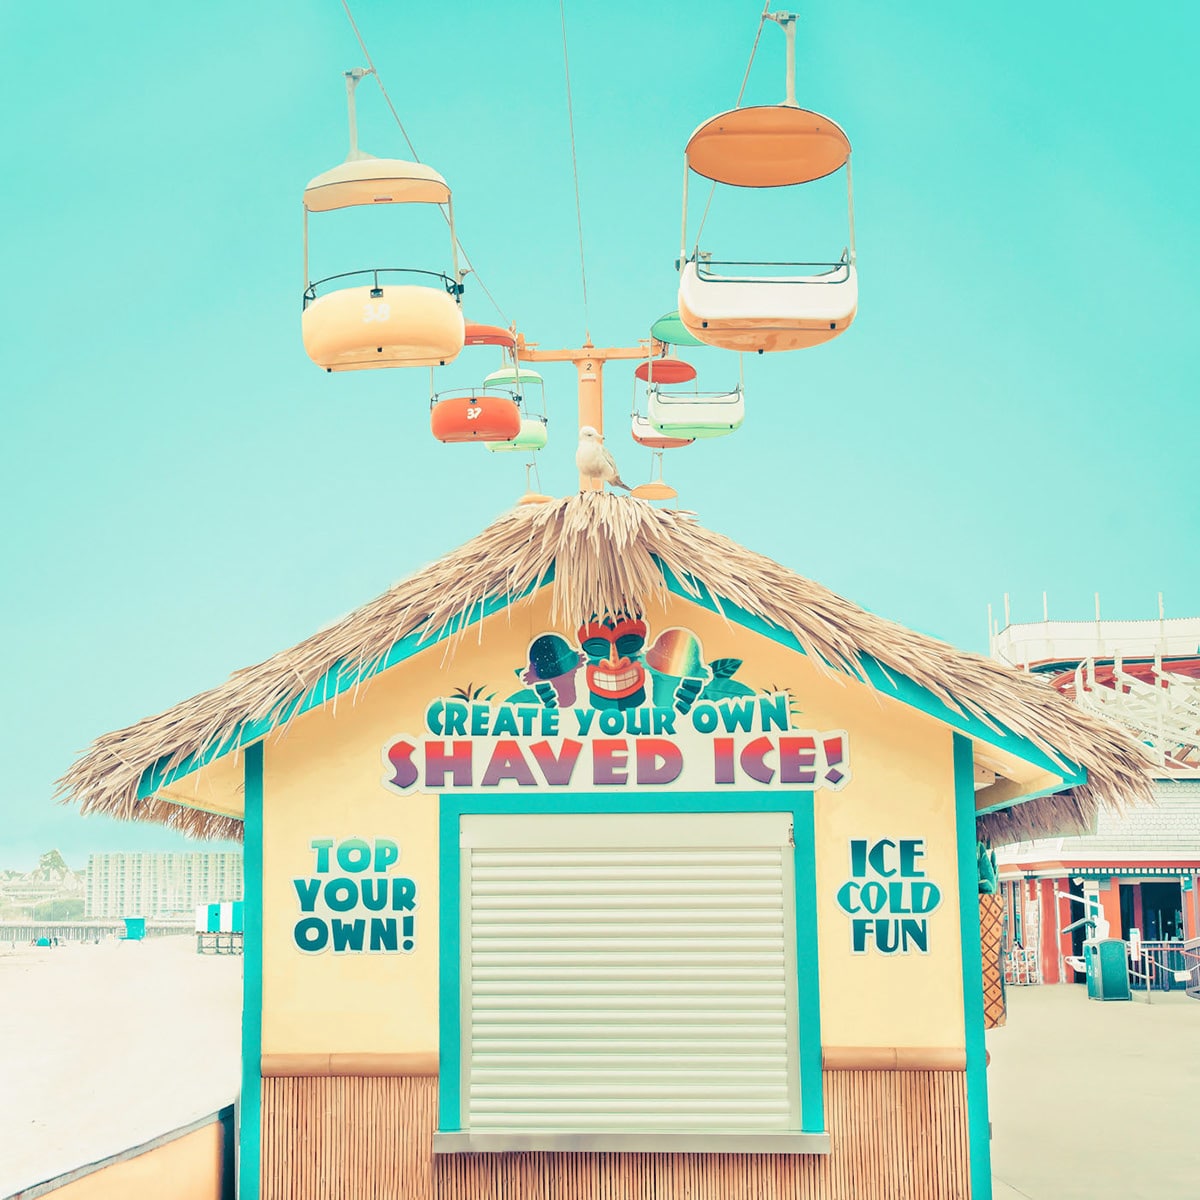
(605, 554)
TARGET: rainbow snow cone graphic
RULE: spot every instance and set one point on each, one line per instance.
(677, 660)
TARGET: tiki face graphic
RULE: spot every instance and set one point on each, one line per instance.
(616, 675)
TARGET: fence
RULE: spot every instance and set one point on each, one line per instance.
(224, 942)
(1167, 966)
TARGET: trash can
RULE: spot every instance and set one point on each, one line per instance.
(1107, 969)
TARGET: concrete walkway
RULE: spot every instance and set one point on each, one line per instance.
(1095, 1101)
(103, 1047)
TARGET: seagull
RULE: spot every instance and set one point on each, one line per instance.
(594, 462)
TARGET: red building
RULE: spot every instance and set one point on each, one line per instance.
(1137, 874)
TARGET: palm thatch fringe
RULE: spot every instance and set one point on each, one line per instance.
(609, 554)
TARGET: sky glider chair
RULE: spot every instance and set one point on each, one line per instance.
(656, 488)
(646, 435)
(651, 373)
(390, 316)
(529, 496)
(479, 415)
(735, 305)
(695, 414)
(531, 438)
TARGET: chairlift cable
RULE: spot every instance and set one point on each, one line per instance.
(416, 157)
(387, 99)
(762, 20)
(575, 168)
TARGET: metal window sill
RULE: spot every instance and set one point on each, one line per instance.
(493, 1141)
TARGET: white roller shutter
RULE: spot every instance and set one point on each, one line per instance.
(628, 972)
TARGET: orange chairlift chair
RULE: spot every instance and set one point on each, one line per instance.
(734, 305)
(663, 369)
(474, 415)
(678, 417)
(380, 316)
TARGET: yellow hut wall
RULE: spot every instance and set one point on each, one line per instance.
(335, 1015)
(191, 1167)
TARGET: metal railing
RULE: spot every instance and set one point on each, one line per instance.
(452, 286)
(1167, 966)
(830, 272)
(713, 398)
(222, 942)
(486, 392)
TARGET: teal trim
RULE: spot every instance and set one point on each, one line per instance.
(449, 987)
(628, 802)
(808, 981)
(808, 993)
(338, 679)
(888, 682)
(978, 1123)
(250, 1105)
(1074, 781)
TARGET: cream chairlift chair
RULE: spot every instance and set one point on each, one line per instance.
(352, 327)
(767, 146)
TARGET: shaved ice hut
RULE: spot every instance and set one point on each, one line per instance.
(605, 857)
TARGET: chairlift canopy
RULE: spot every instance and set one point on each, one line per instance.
(370, 180)
(490, 335)
(771, 145)
(665, 370)
(512, 377)
(671, 331)
(655, 490)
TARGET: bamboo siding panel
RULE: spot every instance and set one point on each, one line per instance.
(345, 1138)
(897, 1135)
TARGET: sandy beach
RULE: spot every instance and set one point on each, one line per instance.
(105, 1046)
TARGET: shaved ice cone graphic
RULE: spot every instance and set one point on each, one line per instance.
(677, 660)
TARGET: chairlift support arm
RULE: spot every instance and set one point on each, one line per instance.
(787, 22)
(589, 362)
(353, 78)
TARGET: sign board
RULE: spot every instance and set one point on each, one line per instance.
(615, 710)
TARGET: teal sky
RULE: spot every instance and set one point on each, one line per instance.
(1014, 409)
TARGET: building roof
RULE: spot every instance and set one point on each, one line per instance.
(1172, 826)
(1065, 643)
(605, 554)
(1159, 839)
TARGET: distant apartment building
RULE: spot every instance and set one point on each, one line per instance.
(160, 885)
